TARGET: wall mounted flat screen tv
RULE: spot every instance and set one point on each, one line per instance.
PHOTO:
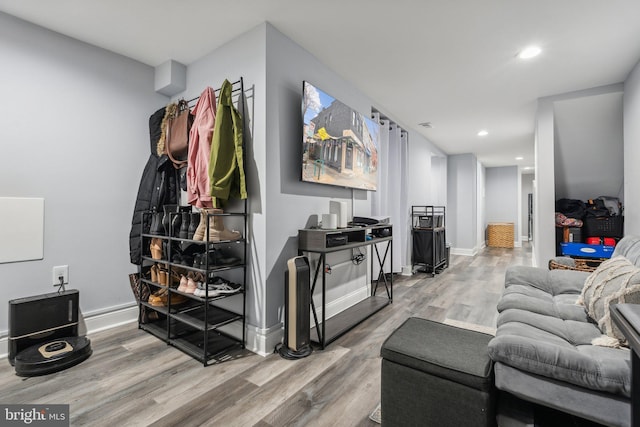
(340, 144)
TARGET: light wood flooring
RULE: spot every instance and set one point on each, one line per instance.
(133, 379)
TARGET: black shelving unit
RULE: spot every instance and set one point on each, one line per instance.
(428, 232)
(203, 327)
(319, 241)
(195, 324)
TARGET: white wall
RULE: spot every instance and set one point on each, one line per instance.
(502, 204)
(74, 132)
(632, 152)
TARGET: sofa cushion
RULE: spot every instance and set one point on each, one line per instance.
(554, 282)
(560, 349)
(549, 292)
(615, 281)
(561, 306)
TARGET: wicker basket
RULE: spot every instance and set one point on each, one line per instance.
(500, 235)
(588, 265)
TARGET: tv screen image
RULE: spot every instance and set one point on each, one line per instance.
(340, 144)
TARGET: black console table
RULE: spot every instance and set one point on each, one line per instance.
(627, 318)
(322, 242)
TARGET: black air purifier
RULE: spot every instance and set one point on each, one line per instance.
(297, 325)
(43, 333)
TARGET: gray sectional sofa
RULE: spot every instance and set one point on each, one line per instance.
(544, 349)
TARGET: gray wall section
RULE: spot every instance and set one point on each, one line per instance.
(462, 202)
(632, 152)
(548, 164)
(501, 196)
(527, 188)
(74, 132)
(589, 147)
(244, 57)
(292, 202)
(79, 132)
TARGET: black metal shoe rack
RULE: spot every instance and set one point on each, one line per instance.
(209, 328)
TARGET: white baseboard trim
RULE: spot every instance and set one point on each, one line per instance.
(517, 244)
(111, 319)
(94, 323)
(340, 304)
(463, 251)
(407, 270)
(263, 341)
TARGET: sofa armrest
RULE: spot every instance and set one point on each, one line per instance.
(553, 282)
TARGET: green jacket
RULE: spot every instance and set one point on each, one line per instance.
(226, 164)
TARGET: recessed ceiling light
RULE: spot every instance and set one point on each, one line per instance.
(519, 158)
(426, 124)
(529, 52)
(483, 133)
(528, 168)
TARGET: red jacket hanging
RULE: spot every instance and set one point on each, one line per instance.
(200, 150)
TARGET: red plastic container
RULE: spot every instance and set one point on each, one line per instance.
(607, 241)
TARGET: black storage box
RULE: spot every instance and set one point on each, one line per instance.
(604, 226)
(437, 375)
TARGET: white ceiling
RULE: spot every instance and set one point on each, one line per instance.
(452, 63)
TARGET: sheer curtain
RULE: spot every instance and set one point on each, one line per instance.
(391, 199)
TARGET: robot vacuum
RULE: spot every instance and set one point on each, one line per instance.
(52, 356)
(44, 333)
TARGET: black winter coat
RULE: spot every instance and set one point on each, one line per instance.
(159, 186)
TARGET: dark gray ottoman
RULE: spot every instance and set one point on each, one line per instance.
(436, 375)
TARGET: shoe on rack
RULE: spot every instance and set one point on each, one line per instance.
(192, 286)
(201, 290)
(177, 299)
(221, 258)
(158, 298)
(183, 282)
(156, 248)
(217, 230)
(187, 260)
(193, 282)
(197, 259)
(154, 273)
(156, 224)
(160, 301)
(176, 258)
(194, 222)
(163, 276)
(227, 288)
(199, 232)
(185, 222)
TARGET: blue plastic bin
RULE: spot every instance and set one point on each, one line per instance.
(586, 251)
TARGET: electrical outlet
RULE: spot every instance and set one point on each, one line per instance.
(60, 271)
